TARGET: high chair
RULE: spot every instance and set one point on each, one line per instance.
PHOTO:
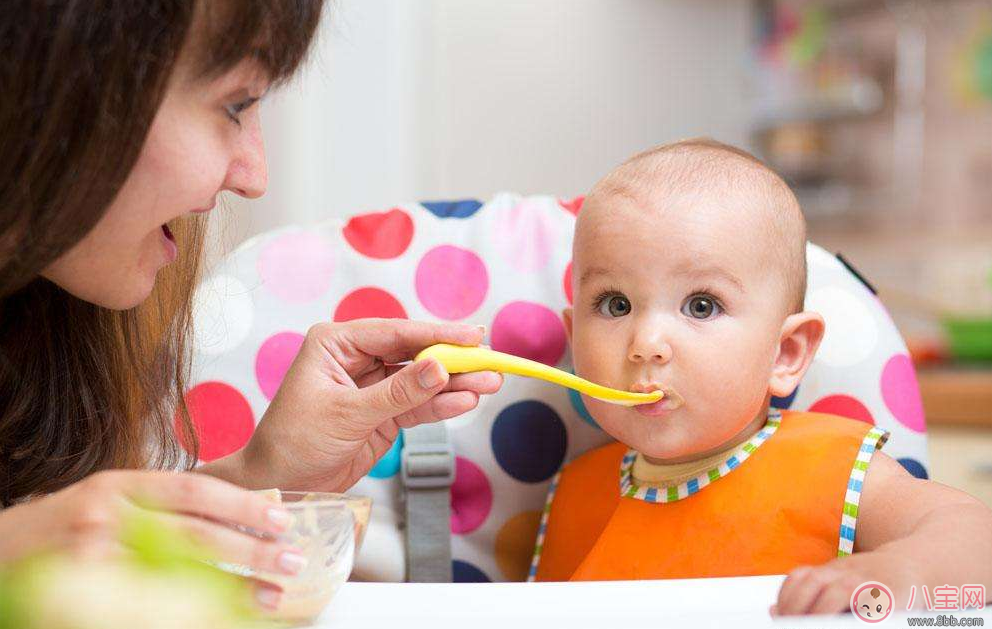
(505, 264)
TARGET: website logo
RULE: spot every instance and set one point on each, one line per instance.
(872, 602)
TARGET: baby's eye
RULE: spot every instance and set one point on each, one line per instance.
(614, 306)
(701, 307)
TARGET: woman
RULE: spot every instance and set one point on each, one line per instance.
(120, 122)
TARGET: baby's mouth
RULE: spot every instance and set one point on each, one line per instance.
(671, 400)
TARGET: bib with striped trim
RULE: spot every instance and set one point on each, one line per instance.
(786, 497)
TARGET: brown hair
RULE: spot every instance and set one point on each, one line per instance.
(83, 388)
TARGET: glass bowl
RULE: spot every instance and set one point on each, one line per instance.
(327, 529)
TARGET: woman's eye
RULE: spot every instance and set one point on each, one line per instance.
(701, 307)
(615, 306)
(234, 110)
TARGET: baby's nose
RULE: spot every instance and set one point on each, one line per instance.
(659, 352)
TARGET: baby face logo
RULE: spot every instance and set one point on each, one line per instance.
(872, 602)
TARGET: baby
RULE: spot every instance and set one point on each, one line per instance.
(689, 277)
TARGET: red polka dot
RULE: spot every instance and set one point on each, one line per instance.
(380, 235)
(222, 419)
(572, 205)
(843, 405)
(568, 282)
(369, 302)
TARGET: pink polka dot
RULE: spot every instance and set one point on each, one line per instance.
(297, 267)
(451, 282)
(524, 236)
(567, 281)
(572, 205)
(902, 393)
(529, 330)
(380, 235)
(273, 360)
(222, 419)
(368, 302)
(471, 497)
(843, 405)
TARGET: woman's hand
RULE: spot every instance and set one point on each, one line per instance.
(344, 400)
(85, 519)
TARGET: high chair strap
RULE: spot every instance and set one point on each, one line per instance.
(428, 470)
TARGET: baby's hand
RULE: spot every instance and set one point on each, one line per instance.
(827, 588)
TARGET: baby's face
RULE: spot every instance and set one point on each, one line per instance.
(687, 298)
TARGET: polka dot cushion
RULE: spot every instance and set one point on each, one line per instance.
(505, 264)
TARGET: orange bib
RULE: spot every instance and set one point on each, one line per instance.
(789, 501)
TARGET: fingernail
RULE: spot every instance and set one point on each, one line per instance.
(268, 597)
(292, 562)
(280, 518)
(482, 328)
(431, 376)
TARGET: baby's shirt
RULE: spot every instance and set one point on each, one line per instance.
(786, 497)
(648, 474)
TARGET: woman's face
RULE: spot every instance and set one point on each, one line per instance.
(204, 139)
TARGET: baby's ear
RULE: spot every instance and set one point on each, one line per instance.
(566, 315)
(800, 337)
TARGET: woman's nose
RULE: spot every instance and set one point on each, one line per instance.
(247, 174)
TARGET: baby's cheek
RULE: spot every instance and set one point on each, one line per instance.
(593, 357)
(738, 370)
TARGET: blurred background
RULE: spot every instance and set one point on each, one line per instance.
(877, 112)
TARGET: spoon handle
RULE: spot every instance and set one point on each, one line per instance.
(458, 359)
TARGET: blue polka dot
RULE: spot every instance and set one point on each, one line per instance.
(529, 441)
(462, 208)
(389, 464)
(464, 572)
(914, 467)
(580, 408)
(785, 402)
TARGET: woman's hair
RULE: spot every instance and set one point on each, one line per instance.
(83, 388)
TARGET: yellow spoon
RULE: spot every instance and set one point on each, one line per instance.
(458, 359)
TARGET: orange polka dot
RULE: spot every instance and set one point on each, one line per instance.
(515, 544)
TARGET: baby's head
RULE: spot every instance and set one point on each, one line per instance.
(690, 272)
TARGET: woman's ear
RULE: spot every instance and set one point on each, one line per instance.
(566, 315)
(800, 337)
